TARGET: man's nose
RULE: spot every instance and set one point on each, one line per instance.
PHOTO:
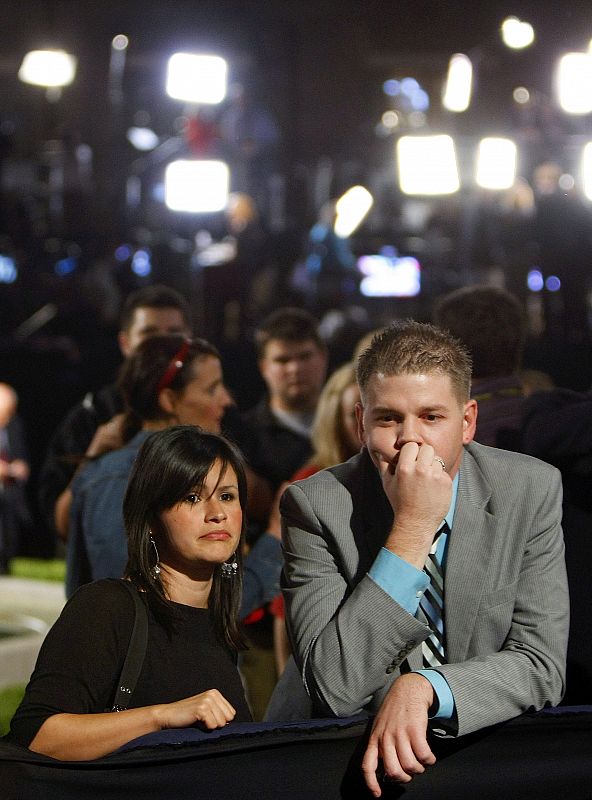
(408, 432)
(225, 398)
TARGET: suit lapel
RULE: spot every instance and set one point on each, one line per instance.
(468, 558)
(372, 517)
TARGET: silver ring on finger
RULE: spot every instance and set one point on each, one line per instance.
(440, 462)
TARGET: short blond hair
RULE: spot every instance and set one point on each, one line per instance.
(416, 348)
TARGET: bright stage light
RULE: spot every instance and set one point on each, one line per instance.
(120, 42)
(587, 170)
(390, 119)
(517, 34)
(143, 139)
(574, 83)
(51, 68)
(351, 209)
(8, 269)
(391, 87)
(196, 78)
(427, 165)
(457, 92)
(535, 280)
(496, 163)
(521, 95)
(196, 186)
(389, 276)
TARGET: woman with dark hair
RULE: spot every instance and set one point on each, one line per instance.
(184, 515)
(167, 380)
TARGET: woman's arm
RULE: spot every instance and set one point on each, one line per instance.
(61, 513)
(107, 437)
(82, 737)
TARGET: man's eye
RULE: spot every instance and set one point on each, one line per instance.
(431, 417)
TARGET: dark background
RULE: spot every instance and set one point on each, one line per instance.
(314, 71)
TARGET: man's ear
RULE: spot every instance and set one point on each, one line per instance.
(262, 363)
(360, 420)
(469, 421)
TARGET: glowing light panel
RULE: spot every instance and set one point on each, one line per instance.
(457, 91)
(351, 209)
(427, 165)
(389, 276)
(496, 163)
(196, 186)
(51, 68)
(574, 83)
(517, 34)
(196, 78)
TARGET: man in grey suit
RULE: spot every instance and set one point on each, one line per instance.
(358, 536)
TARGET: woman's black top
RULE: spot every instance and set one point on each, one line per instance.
(82, 657)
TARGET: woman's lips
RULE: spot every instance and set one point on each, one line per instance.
(216, 536)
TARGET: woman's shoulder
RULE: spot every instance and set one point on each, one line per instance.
(106, 596)
(108, 467)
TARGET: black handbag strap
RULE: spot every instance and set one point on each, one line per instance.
(136, 652)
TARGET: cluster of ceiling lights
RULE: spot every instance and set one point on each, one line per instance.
(573, 79)
(427, 165)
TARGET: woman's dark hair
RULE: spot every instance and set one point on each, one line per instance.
(171, 464)
(142, 372)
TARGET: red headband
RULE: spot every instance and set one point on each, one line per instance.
(175, 364)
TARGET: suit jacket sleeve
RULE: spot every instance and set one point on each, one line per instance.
(348, 635)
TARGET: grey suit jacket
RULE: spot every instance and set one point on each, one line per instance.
(506, 598)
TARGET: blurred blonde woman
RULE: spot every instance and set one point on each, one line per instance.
(334, 439)
(334, 433)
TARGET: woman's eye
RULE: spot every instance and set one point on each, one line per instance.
(227, 496)
(192, 498)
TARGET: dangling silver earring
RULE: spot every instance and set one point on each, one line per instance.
(155, 570)
(230, 567)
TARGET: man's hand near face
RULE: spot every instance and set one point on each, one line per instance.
(399, 733)
(419, 491)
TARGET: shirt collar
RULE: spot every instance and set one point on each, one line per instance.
(448, 519)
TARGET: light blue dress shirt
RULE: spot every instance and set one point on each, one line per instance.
(406, 584)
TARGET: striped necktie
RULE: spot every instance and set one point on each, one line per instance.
(431, 606)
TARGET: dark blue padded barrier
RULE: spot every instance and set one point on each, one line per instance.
(544, 756)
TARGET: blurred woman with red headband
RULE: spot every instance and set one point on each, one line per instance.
(168, 380)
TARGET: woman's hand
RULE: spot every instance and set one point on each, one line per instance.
(210, 708)
(108, 437)
(81, 737)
